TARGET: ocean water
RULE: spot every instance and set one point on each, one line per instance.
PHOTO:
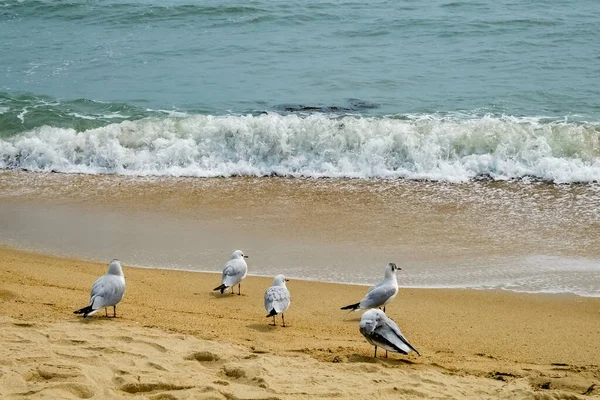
(444, 91)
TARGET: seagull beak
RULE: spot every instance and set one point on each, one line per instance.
(245, 256)
(287, 280)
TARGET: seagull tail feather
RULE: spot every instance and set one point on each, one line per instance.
(221, 288)
(351, 307)
(85, 311)
(272, 313)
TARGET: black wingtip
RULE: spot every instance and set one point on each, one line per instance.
(272, 313)
(398, 349)
(351, 307)
(412, 348)
(220, 288)
(84, 310)
(409, 345)
(382, 339)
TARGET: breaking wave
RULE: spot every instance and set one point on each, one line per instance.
(426, 147)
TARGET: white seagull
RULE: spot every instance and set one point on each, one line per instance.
(108, 290)
(380, 294)
(379, 330)
(234, 271)
(277, 298)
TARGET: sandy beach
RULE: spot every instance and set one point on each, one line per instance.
(452, 147)
(175, 338)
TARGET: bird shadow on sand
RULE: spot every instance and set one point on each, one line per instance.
(93, 319)
(395, 361)
(264, 327)
(359, 358)
(224, 295)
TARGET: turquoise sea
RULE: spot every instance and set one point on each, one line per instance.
(440, 90)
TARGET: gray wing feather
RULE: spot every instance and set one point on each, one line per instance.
(278, 298)
(391, 332)
(107, 291)
(377, 296)
(375, 286)
(234, 272)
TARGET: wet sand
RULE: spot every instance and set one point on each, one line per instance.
(175, 338)
(533, 237)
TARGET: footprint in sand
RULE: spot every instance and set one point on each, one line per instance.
(6, 295)
(57, 391)
(234, 372)
(203, 356)
(156, 346)
(139, 387)
(24, 324)
(58, 371)
(77, 389)
(156, 366)
(245, 375)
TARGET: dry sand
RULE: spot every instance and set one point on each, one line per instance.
(175, 338)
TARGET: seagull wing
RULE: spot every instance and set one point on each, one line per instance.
(378, 284)
(277, 298)
(108, 290)
(234, 272)
(378, 295)
(389, 333)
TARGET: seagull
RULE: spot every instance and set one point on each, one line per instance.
(379, 330)
(234, 271)
(108, 290)
(380, 294)
(277, 298)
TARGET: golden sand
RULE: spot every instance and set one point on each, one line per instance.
(176, 338)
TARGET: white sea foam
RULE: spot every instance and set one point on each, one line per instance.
(431, 148)
(531, 274)
(171, 113)
(95, 117)
(77, 115)
(21, 115)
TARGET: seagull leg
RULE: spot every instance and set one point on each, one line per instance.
(383, 308)
(386, 354)
(274, 323)
(239, 289)
(114, 311)
(106, 312)
(283, 319)
(375, 352)
(232, 290)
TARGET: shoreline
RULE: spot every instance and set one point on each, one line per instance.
(486, 337)
(527, 239)
(365, 285)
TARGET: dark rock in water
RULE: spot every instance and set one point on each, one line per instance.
(357, 104)
(301, 108)
(483, 178)
(352, 105)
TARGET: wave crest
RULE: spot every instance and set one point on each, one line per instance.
(422, 147)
